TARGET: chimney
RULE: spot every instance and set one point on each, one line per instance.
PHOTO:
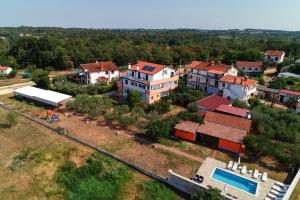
(137, 67)
(211, 63)
(129, 66)
(97, 61)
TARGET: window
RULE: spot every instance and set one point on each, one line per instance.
(243, 68)
(132, 73)
(172, 74)
(106, 72)
(152, 97)
(126, 82)
(223, 84)
(255, 69)
(158, 95)
(249, 68)
(139, 75)
(112, 72)
(147, 77)
(276, 58)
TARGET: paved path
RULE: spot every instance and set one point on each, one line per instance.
(11, 88)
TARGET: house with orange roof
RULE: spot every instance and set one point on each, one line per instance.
(274, 56)
(205, 75)
(153, 81)
(236, 87)
(97, 72)
(250, 68)
(5, 70)
(217, 130)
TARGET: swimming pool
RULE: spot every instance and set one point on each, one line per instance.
(234, 180)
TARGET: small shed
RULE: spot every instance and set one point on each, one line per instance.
(43, 96)
(186, 130)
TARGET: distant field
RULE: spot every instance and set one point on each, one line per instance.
(30, 156)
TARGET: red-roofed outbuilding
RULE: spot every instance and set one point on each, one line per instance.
(211, 103)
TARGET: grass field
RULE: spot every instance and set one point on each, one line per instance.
(30, 156)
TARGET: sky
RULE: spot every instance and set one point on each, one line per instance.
(153, 14)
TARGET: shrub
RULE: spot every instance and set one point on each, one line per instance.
(156, 191)
(208, 194)
(161, 107)
(13, 73)
(99, 178)
(158, 129)
(187, 116)
(11, 118)
(192, 107)
(239, 104)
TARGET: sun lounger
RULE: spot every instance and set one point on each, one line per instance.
(278, 194)
(272, 196)
(282, 185)
(244, 169)
(264, 176)
(235, 166)
(255, 174)
(230, 164)
(279, 189)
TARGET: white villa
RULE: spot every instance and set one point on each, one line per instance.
(274, 56)
(249, 67)
(4, 70)
(236, 87)
(92, 73)
(151, 80)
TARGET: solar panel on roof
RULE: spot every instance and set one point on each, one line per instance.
(148, 68)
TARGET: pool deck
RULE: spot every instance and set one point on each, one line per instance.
(207, 169)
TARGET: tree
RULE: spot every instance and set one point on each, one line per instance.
(41, 78)
(11, 118)
(193, 107)
(133, 98)
(158, 129)
(161, 106)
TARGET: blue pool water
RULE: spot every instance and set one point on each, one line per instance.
(235, 181)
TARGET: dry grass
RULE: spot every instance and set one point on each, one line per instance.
(33, 176)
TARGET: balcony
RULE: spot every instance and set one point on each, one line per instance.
(142, 80)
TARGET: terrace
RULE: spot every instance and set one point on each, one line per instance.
(208, 168)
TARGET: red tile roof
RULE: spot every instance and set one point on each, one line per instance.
(187, 126)
(228, 120)
(212, 102)
(249, 64)
(3, 67)
(238, 80)
(290, 92)
(212, 67)
(99, 66)
(223, 132)
(141, 64)
(233, 110)
(274, 53)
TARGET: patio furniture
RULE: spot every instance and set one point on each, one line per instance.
(244, 169)
(279, 189)
(235, 166)
(272, 196)
(230, 164)
(250, 171)
(198, 179)
(282, 185)
(278, 194)
(264, 177)
(255, 174)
